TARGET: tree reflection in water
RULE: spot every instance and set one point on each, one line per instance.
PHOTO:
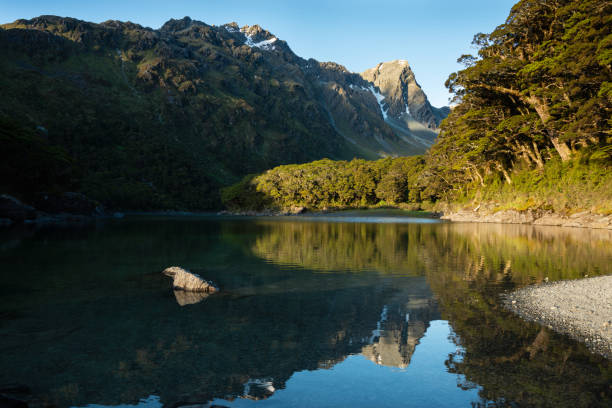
(467, 267)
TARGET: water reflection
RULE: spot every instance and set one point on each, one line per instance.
(529, 253)
(86, 317)
(403, 322)
(184, 298)
(467, 266)
(258, 389)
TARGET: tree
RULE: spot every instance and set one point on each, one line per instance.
(539, 88)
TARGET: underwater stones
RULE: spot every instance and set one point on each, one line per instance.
(187, 281)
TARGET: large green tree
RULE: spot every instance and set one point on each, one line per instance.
(540, 88)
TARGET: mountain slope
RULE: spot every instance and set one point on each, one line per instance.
(163, 118)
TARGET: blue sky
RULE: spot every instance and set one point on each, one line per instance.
(431, 35)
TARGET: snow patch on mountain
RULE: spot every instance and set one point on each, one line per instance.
(379, 98)
(267, 45)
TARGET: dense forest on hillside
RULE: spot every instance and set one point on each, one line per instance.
(531, 127)
(161, 119)
(152, 118)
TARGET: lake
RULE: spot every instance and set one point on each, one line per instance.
(355, 309)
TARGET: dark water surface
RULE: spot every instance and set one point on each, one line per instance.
(357, 310)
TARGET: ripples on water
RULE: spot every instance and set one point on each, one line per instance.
(347, 310)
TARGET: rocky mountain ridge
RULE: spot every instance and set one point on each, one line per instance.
(403, 95)
(186, 108)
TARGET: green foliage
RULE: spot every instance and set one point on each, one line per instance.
(582, 184)
(244, 195)
(30, 164)
(539, 90)
(159, 119)
(330, 184)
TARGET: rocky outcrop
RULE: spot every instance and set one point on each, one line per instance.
(188, 281)
(584, 219)
(354, 108)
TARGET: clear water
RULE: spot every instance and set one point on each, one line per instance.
(351, 310)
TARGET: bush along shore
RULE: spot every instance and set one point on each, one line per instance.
(574, 194)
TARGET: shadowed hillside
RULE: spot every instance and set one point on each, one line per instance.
(163, 118)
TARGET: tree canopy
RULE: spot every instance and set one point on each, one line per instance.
(540, 88)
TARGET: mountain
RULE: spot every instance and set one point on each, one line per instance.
(528, 140)
(406, 106)
(163, 118)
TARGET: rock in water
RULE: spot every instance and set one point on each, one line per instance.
(191, 282)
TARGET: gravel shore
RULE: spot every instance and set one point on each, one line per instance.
(580, 308)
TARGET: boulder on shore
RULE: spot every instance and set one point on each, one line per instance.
(13, 209)
(67, 202)
(191, 282)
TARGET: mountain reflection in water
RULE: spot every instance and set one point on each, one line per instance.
(87, 317)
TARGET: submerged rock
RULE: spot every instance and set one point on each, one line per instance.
(187, 281)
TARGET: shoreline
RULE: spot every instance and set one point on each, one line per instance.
(579, 308)
(300, 211)
(584, 219)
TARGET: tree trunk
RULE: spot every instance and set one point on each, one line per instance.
(501, 168)
(506, 175)
(542, 110)
(479, 177)
(539, 161)
(561, 148)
